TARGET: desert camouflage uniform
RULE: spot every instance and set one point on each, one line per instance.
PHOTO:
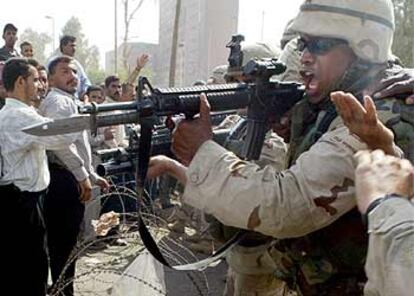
(251, 268)
(309, 207)
(312, 194)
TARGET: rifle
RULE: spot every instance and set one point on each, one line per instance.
(263, 98)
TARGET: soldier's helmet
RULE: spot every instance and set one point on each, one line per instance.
(367, 25)
(290, 56)
(217, 75)
(251, 51)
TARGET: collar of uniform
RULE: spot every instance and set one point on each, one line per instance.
(62, 92)
(16, 103)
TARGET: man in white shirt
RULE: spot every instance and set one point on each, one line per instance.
(71, 174)
(23, 181)
(67, 46)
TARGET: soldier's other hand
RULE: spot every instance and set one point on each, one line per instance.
(142, 61)
(282, 127)
(191, 134)
(109, 133)
(102, 183)
(160, 165)
(378, 174)
(85, 187)
(399, 84)
(363, 121)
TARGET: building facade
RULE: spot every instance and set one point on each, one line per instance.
(205, 28)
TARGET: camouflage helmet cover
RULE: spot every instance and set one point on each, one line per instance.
(255, 50)
(367, 25)
(217, 75)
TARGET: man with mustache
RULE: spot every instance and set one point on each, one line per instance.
(71, 174)
(310, 206)
(113, 89)
(24, 179)
(67, 46)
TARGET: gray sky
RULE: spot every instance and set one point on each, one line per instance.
(97, 18)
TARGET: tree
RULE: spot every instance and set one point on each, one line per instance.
(128, 17)
(38, 41)
(174, 46)
(87, 55)
(404, 33)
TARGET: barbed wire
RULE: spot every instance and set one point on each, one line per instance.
(108, 266)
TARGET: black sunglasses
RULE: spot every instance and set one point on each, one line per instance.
(319, 46)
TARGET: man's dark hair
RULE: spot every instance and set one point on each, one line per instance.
(13, 69)
(53, 64)
(65, 40)
(34, 63)
(93, 88)
(41, 68)
(110, 79)
(25, 43)
(9, 27)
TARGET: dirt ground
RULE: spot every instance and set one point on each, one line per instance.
(99, 272)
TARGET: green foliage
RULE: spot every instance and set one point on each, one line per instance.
(87, 55)
(404, 34)
(39, 42)
(96, 75)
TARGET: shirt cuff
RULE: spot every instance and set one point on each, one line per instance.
(390, 213)
(93, 177)
(80, 173)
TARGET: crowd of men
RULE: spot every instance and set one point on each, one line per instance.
(301, 201)
(48, 193)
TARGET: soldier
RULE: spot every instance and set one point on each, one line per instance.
(250, 52)
(249, 269)
(310, 206)
(217, 75)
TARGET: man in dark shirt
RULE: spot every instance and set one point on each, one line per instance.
(10, 37)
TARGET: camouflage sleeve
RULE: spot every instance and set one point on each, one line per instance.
(313, 193)
(390, 260)
(273, 153)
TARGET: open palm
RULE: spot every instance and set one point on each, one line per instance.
(362, 120)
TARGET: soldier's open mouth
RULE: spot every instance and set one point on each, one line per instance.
(309, 81)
